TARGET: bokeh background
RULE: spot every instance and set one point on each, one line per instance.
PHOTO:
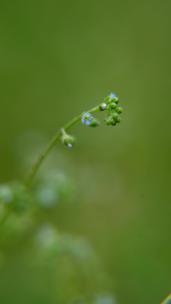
(57, 59)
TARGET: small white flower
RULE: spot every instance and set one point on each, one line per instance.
(69, 146)
(103, 106)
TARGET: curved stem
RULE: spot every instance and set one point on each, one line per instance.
(50, 146)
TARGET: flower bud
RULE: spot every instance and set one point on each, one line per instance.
(116, 117)
(103, 106)
(94, 123)
(113, 123)
(113, 97)
(119, 110)
(110, 121)
(67, 140)
(112, 106)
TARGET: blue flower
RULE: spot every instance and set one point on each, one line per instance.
(86, 119)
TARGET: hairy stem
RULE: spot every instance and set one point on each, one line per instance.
(52, 144)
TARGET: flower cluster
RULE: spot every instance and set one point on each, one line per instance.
(110, 105)
(113, 110)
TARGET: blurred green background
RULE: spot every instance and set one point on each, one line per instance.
(57, 59)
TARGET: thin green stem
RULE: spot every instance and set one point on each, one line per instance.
(52, 144)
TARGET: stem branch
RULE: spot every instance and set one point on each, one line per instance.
(50, 146)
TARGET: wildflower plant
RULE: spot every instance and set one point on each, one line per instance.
(112, 118)
(20, 203)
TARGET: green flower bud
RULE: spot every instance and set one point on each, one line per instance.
(112, 98)
(110, 121)
(67, 140)
(112, 106)
(116, 100)
(116, 117)
(94, 123)
(118, 120)
(113, 123)
(119, 110)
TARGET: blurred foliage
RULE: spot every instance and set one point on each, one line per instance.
(69, 260)
(167, 300)
(56, 59)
